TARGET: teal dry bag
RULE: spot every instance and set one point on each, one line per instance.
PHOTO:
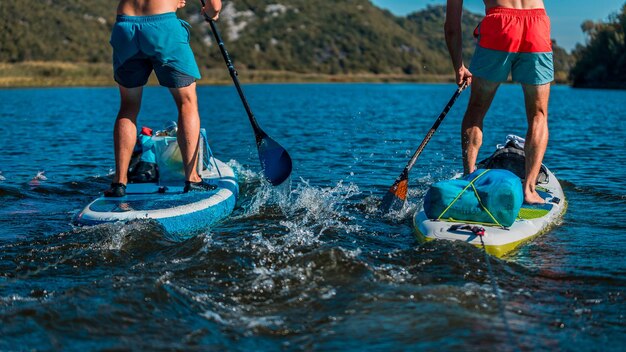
(491, 196)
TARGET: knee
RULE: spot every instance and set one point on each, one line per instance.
(476, 111)
(187, 101)
(541, 116)
(478, 104)
(128, 111)
(473, 120)
(538, 119)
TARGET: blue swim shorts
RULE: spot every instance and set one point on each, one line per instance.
(158, 42)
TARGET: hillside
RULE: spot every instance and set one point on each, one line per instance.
(55, 30)
(338, 37)
(427, 26)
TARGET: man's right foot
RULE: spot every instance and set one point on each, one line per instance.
(117, 190)
(533, 198)
(198, 186)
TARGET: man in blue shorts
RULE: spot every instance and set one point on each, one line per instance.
(513, 38)
(146, 37)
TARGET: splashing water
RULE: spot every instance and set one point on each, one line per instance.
(311, 265)
(319, 211)
(35, 181)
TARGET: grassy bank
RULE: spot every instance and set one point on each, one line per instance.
(59, 74)
(65, 74)
(54, 74)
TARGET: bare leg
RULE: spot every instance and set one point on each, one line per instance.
(483, 92)
(125, 131)
(536, 98)
(188, 128)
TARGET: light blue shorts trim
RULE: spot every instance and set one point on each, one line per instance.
(525, 68)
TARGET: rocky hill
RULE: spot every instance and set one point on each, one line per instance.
(326, 36)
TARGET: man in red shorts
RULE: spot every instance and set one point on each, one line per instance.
(513, 38)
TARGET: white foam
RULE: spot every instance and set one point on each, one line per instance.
(118, 234)
(243, 174)
(17, 298)
(211, 315)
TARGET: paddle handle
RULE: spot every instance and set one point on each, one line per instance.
(432, 130)
(258, 132)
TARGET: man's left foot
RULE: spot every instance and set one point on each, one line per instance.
(117, 190)
(198, 186)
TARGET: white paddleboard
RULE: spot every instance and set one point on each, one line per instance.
(533, 220)
(181, 214)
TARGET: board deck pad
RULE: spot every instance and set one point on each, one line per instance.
(149, 202)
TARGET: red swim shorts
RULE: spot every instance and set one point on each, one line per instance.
(514, 41)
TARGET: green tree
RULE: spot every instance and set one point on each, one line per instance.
(601, 63)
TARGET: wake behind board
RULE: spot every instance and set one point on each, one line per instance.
(181, 214)
(532, 221)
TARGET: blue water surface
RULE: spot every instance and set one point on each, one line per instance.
(313, 266)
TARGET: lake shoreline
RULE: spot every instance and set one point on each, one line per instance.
(63, 74)
(38, 74)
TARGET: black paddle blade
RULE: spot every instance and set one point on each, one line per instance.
(396, 196)
(275, 161)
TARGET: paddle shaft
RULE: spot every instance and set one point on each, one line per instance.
(258, 132)
(432, 130)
